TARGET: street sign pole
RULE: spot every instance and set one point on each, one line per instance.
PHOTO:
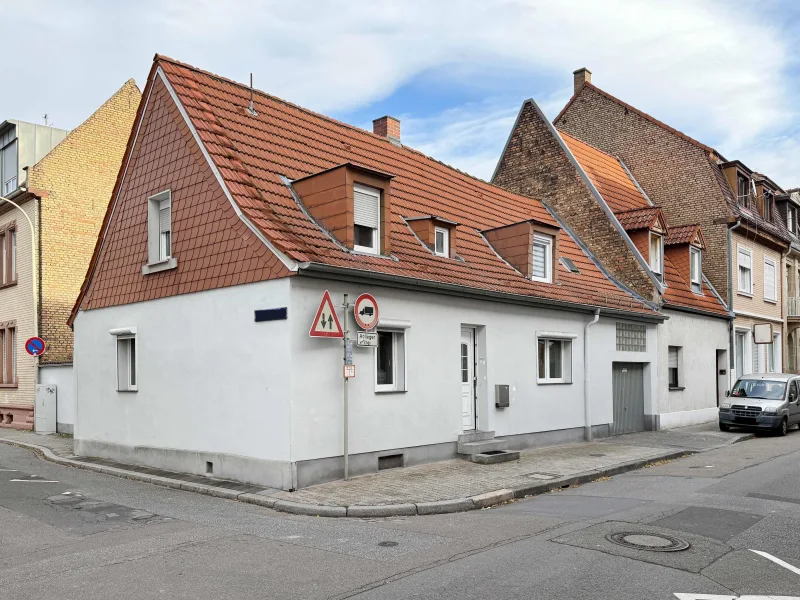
(346, 379)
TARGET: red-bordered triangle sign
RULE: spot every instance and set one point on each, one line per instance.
(326, 323)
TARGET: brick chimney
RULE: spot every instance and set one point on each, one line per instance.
(388, 127)
(582, 75)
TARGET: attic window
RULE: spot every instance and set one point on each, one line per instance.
(767, 205)
(743, 190)
(696, 270)
(542, 258)
(569, 265)
(366, 219)
(791, 219)
(656, 253)
(159, 233)
(441, 242)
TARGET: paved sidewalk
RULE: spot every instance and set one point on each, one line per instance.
(447, 486)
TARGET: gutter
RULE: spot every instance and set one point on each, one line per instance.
(587, 405)
(322, 271)
(731, 341)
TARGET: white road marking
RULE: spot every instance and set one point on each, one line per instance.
(777, 561)
(8, 470)
(718, 597)
(33, 481)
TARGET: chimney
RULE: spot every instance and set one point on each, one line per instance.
(582, 75)
(387, 127)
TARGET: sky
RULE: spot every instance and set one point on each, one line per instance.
(454, 72)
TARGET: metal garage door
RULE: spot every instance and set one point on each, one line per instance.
(628, 386)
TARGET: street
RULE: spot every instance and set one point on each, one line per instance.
(69, 533)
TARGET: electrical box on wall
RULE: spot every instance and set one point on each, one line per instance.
(501, 396)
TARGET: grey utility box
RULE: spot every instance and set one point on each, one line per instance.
(45, 411)
(501, 396)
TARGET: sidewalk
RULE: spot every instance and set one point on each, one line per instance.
(448, 486)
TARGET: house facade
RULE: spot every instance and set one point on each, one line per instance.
(788, 207)
(236, 213)
(661, 262)
(692, 183)
(64, 190)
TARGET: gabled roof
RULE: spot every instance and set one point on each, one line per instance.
(257, 154)
(641, 218)
(686, 234)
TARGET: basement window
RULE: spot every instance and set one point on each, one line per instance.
(542, 258)
(441, 242)
(366, 219)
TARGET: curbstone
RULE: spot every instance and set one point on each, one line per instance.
(310, 510)
(258, 499)
(492, 498)
(382, 510)
(445, 506)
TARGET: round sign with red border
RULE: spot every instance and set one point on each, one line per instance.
(366, 311)
(35, 346)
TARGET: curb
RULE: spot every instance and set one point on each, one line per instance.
(361, 511)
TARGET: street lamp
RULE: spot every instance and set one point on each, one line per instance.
(33, 278)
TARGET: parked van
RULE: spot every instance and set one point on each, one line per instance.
(763, 401)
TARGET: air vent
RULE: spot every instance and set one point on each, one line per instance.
(569, 265)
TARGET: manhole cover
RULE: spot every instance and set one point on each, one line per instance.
(648, 541)
(387, 544)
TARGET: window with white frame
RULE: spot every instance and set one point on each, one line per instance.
(745, 262)
(770, 280)
(366, 219)
(674, 358)
(126, 363)
(390, 361)
(696, 268)
(159, 228)
(542, 258)
(791, 219)
(656, 253)
(441, 244)
(554, 360)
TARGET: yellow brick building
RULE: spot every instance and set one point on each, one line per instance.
(66, 194)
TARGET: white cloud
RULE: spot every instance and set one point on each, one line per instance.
(714, 69)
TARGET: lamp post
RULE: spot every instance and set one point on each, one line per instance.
(33, 278)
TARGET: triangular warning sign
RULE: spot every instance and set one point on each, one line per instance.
(326, 323)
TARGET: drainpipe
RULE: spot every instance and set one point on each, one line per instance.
(587, 406)
(731, 340)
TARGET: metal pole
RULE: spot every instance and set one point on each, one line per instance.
(346, 379)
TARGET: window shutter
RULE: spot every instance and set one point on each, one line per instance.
(744, 259)
(366, 206)
(164, 217)
(769, 281)
(673, 358)
(539, 260)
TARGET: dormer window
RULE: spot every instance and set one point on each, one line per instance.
(767, 205)
(695, 268)
(542, 258)
(743, 190)
(656, 253)
(366, 219)
(791, 219)
(441, 241)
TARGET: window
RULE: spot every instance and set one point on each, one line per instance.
(767, 205)
(555, 360)
(631, 337)
(159, 233)
(656, 253)
(442, 242)
(126, 363)
(695, 265)
(390, 359)
(743, 191)
(740, 341)
(164, 229)
(745, 270)
(674, 353)
(366, 219)
(8, 354)
(8, 255)
(9, 168)
(542, 258)
(770, 280)
(791, 219)
(569, 265)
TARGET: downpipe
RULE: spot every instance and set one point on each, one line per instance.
(587, 405)
(731, 340)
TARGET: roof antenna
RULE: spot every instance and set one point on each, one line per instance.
(45, 119)
(251, 109)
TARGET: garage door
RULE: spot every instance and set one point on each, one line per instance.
(628, 386)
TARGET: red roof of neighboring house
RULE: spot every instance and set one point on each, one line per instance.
(634, 212)
(253, 152)
(685, 234)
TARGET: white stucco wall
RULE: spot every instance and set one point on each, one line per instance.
(699, 338)
(62, 377)
(429, 412)
(209, 378)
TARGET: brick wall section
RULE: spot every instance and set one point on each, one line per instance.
(16, 304)
(213, 247)
(535, 164)
(514, 243)
(675, 173)
(77, 178)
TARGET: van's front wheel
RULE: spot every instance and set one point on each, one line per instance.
(783, 428)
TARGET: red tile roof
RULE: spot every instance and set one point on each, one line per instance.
(684, 234)
(254, 152)
(639, 218)
(679, 294)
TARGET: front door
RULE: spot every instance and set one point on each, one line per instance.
(627, 381)
(468, 377)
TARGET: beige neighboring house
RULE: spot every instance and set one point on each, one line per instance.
(62, 181)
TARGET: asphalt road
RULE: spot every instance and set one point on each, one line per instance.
(67, 533)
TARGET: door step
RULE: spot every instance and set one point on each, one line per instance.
(493, 457)
(481, 447)
(475, 436)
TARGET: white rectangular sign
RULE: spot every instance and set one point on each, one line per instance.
(762, 333)
(367, 338)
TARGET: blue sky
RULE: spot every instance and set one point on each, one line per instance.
(454, 72)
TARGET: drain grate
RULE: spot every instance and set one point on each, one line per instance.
(387, 544)
(654, 542)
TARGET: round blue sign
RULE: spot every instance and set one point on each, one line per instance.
(35, 346)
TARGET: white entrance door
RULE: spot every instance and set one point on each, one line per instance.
(468, 377)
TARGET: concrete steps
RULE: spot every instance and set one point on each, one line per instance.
(481, 447)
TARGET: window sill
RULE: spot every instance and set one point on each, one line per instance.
(9, 284)
(676, 388)
(127, 391)
(8, 386)
(391, 391)
(544, 382)
(164, 265)
(745, 294)
(770, 301)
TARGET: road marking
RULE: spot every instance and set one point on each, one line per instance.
(8, 470)
(718, 597)
(33, 481)
(777, 561)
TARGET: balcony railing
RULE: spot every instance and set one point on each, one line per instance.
(794, 306)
